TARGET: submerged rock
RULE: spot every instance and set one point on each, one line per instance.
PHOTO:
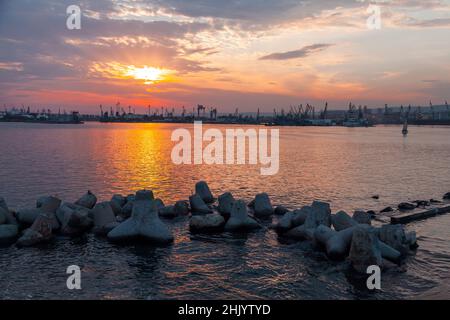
(239, 219)
(226, 202)
(263, 208)
(202, 189)
(198, 206)
(8, 233)
(280, 210)
(88, 200)
(144, 224)
(422, 203)
(362, 217)
(406, 206)
(387, 209)
(342, 221)
(39, 232)
(104, 218)
(207, 223)
(365, 248)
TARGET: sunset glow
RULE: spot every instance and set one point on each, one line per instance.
(242, 54)
(149, 74)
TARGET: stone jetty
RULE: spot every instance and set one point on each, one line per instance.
(139, 217)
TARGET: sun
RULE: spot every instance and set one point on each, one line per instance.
(150, 75)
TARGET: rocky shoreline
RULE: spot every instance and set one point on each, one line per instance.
(137, 217)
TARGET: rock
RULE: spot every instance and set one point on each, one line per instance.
(239, 219)
(376, 197)
(389, 253)
(372, 214)
(48, 204)
(322, 213)
(285, 223)
(422, 203)
(207, 223)
(318, 214)
(127, 209)
(338, 245)
(3, 204)
(9, 216)
(322, 234)
(300, 216)
(226, 202)
(342, 221)
(74, 219)
(362, 217)
(88, 200)
(8, 233)
(27, 217)
(39, 232)
(202, 189)
(405, 206)
(116, 203)
(447, 196)
(119, 199)
(280, 210)
(2, 216)
(104, 218)
(365, 249)
(144, 195)
(159, 204)
(411, 240)
(168, 212)
(198, 206)
(395, 237)
(300, 233)
(144, 224)
(387, 209)
(181, 208)
(434, 201)
(251, 204)
(263, 208)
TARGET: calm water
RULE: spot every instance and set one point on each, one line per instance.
(341, 165)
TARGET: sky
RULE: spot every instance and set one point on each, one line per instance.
(244, 54)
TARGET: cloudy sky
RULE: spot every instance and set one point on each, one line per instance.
(228, 54)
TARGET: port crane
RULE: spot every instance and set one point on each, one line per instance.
(200, 107)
